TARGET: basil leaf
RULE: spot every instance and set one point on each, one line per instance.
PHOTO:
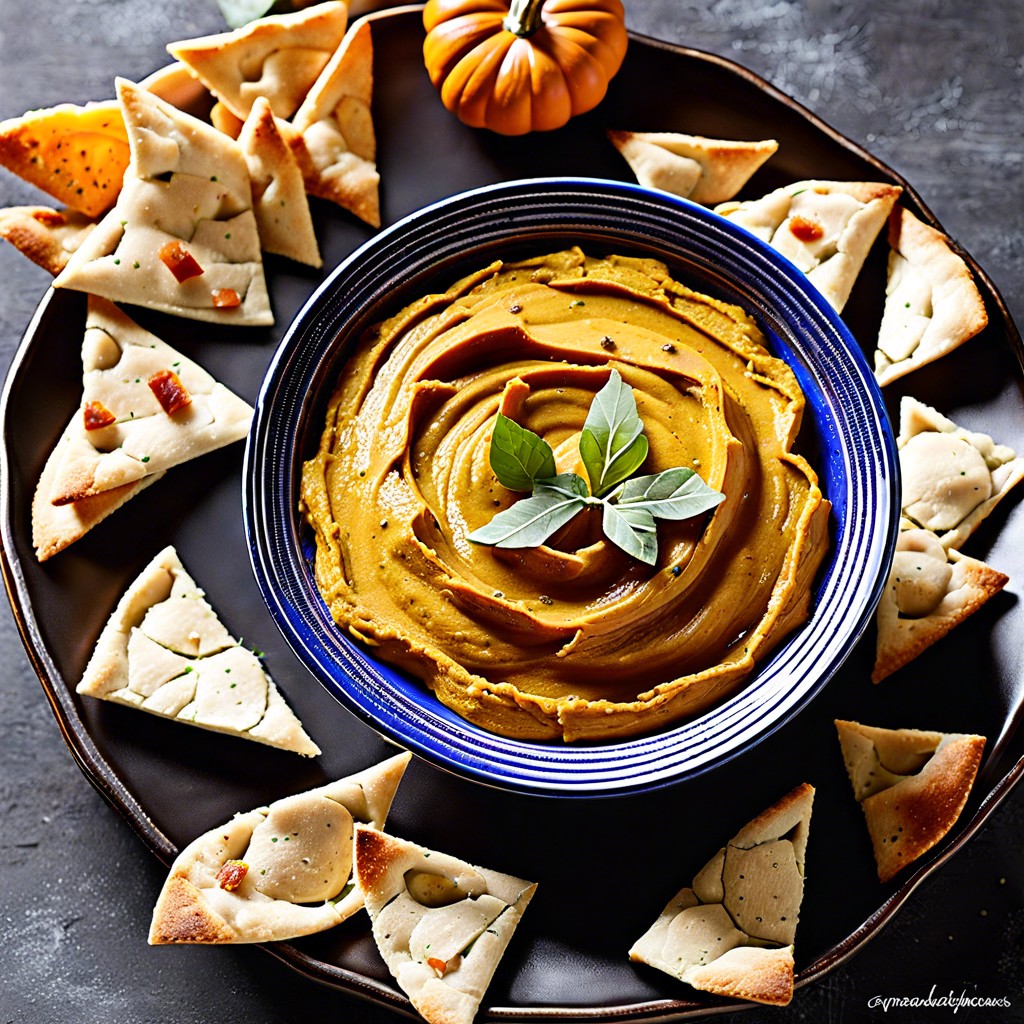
(240, 12)
(633, 530)
(529, 522)
(518, 456)
(673, 494)
(612, 444)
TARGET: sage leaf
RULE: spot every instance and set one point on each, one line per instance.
(530, 521)
(519, 457)
(240, 12)
(672, 494)
(612, 444)
(633, 530)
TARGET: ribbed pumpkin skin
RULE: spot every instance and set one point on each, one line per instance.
(489, 77)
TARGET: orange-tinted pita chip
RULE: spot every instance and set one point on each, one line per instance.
(76, 154)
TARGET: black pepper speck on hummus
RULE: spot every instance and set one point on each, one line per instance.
(573, 639)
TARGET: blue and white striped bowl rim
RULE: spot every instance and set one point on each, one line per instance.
(429, 250)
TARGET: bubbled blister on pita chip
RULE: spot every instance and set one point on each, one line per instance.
(932, 304)
(731, 931)
(952, 477)
(826, 228)
(77, 154)
(165, 651)
(182, 237)
(930, 591)
(692, 166)
(333, 139)
(441, 925)
(46, 236)
(278, 872)
(911, 784)
(278, 57)
(145, 408)
(279, 193)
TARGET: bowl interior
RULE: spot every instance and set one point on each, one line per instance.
(847, 437)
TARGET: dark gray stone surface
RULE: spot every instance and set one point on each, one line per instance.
(934, 88)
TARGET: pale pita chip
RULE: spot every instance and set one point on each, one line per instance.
(46, 236)
(826, 228)
(78, 154)
(334, 139)
(279, 57)
(164, 650)
(911, 784)
(125, 373)
(278, 192)
(54, 527)
(277, 872)
(952, 477)
(731, 932)
(930, 590)
(186, 193)
(440, 924)
(932, 304)
(692, 166)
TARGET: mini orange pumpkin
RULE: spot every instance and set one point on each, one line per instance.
(517, 66)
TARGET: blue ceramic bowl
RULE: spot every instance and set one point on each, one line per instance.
(427, 251)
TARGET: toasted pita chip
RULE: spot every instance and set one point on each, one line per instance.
(952, 477)
(932, 304)
(911, 784)
(278, 57)
(277, 872)
(826, 228)
(929, 591)
(279, 195)
(164, 650)
(731, 932)
(224, 121)
(186, 193)
(440, 924)
(704, 170)
(46, 236)
(145, 408)
(334, 140)
(76, 154)
(55, 527)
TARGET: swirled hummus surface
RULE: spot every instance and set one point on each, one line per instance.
(573, 639)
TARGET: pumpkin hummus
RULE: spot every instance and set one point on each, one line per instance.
(573, 639)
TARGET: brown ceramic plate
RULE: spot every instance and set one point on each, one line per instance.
(605, 866)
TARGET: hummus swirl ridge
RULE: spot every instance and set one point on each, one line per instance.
(574, 639)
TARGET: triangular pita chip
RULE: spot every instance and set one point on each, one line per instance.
(691, 166)
(911, 784)
(440, 924)
(278, 57)
(932, 304)
(929, 591)
(47, 237)
(54, 527)
(952, 477)
(731, 932)
(826, 228)
(277, 872)
(182, 237)
(164, 650)
(129, 425)
(76, 154)
(334, 140)
(278, 192)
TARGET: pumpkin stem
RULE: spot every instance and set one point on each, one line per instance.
(524, 17)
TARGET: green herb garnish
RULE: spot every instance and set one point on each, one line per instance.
(613, 446)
